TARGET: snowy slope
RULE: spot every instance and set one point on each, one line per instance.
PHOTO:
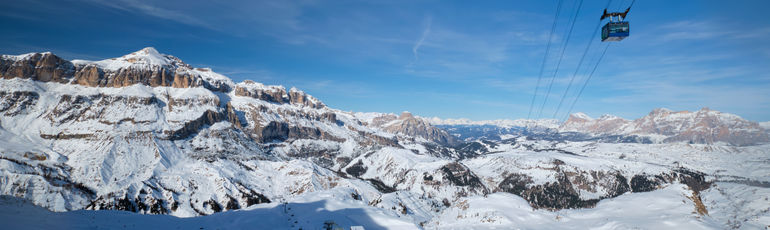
(495, 211)
(501, 210)
(309, 212)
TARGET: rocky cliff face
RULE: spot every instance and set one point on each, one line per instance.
(44, 67)
(412, 126)
(276, 94)
(703, 126)
(146, 67)
(604, 124)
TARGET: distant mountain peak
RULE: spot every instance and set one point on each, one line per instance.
(702, 126)
(609, 117)
(149, 55)
(661, 111)
(149, 50)
(409, 125)
(405, 115)
(146, 58)
(581, 116)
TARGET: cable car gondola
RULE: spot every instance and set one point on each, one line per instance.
(615, 30)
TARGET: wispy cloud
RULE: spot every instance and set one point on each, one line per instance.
(688, 30)
(156, 11)
(16, 15)
(425, 32)
(20, 48)
(277, 19)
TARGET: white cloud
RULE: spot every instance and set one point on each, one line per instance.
(156, 11)
(425, 32)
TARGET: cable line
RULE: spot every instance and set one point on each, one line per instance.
(623, 15)
(580, 63)
(588, 79)
(569, 34)
(547, 51)
(632, 4)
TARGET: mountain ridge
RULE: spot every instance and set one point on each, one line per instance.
(660, 125)
(702, 126)
(119, 140)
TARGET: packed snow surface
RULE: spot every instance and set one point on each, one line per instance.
(667, 208)
(306, 212)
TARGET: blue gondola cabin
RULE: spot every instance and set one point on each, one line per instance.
(615, 31)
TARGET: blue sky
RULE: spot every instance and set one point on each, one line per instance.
(451, 59)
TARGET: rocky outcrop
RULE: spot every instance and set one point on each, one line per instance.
(369, 139)
(382, 120)
(297, 97)
(192, 127)
(233, 118)
(13, 103)
(44, 67)
(281, 131)
(381, 187)
(259, 91)
(565, 191)
(409, 125)
(93, 76)
(144, 202)
(460, 175)
(356, 169)
(276, 94)
(146, 205)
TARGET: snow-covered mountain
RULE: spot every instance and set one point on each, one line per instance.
(544, 123)
(147, 133)
(470, 130)
(606, 124)
(408, 125)
(703, 126)
(661, 125)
